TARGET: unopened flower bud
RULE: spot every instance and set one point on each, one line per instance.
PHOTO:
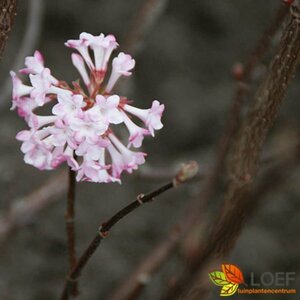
(186, 172)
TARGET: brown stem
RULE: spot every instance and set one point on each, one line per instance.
(233, 120)
(186, 172)
(132, 286)
(24, 208)
(250, 139)
(70, 220)
(103, 232)
(264, 42)
(231, 226)
(8, 11)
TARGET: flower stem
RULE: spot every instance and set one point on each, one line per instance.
(187, 172)
(70, 220)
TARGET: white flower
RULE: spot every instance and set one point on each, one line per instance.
(151, 117)
(83, 119)
(121, 65)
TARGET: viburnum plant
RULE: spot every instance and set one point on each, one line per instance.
(79, 130)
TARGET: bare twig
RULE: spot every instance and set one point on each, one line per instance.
(187, 172)
(8, 11)
(70, 221)
(159, 173)
(250, 139)
(132, 285)
(263, 43)
(272, 179)
(24, 208)
(32, 33)
(233, 120)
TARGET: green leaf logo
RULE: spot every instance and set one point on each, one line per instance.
(229, 279)
(218, 278)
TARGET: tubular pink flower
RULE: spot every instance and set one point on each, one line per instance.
(68, 105)
(87, 128)
(78, 63)
(130, 160)
(62, 156)
(151, 117)
(34, 64)
(109, 44)
(88, 171)
(82, 120)
(92, 151)
(121, 65)
(136, 133)
(36, 122)
(62, 135)
(19, 89)
(107, 108)
(81, 46)
(25, 106)
(35, 153)
(92, 171)
(42, 84)
(118, 165)
(102, 47)
(39, 157)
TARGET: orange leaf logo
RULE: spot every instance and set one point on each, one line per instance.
(233, 273)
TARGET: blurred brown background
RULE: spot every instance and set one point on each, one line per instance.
(184, 60)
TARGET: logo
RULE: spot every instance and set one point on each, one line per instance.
(229, 279)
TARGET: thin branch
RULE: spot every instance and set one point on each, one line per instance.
(187, 172)
(26, 207)
(250, 139)
(70, 221)
(229, 229)
(32, 33)
(233, 120)
(159, 173)
(264, 42)
(131, 287)
(8, 11)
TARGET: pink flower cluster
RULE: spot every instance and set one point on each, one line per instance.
(79, 129)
